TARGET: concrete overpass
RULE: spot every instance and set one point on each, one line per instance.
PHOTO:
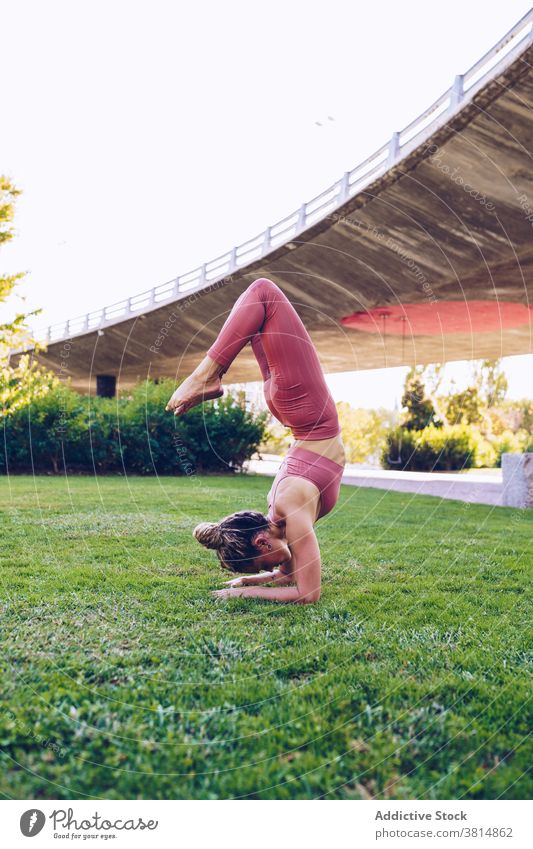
(422, 253)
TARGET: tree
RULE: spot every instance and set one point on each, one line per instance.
(464, 407)
(432, 376)
(420, 410)
(523, 409)
(491, 382)
(363, 432)
(26, 380)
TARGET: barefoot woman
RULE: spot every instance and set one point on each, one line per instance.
(281, 547)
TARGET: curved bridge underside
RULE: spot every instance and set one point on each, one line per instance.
(449, 221)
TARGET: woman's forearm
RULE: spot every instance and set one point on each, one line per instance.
(305, 568)
(254, 580)
(275, 577)
(285, 595)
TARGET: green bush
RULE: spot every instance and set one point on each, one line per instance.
(507, 443)
(485, 453)
(64, 431)
(47, 433)
(433, 449)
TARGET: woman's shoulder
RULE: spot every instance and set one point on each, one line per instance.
(295, 493)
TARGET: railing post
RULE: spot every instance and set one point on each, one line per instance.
(151, 298)
(67, 329)
(266, 241)
(128, 306)
(203, 275)
(48, 334)
(344, 189)
(394, 148)
(176, 289)
(302, 214)
(456, 92)
(233, 260)
(85, 322)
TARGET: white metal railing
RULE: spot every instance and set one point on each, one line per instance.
(460, 92)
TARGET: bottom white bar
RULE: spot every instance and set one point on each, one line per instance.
(267, 824)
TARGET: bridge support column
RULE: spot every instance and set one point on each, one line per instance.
(106, 385)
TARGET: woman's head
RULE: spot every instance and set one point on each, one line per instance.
(245, 541)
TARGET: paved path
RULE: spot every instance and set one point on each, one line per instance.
(476, 488)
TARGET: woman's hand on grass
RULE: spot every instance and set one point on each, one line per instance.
(236, 582)
(249, 586)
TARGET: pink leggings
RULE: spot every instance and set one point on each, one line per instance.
(294, 385)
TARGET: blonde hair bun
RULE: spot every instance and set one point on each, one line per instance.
(208, 534)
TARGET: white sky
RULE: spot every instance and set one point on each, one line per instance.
(150, 137)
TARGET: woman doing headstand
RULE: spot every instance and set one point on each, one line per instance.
(280, 548)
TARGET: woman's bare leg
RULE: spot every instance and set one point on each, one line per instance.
(203, 384)
(294, 385)
(243, 323)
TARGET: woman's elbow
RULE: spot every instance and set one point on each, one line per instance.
(309, 598)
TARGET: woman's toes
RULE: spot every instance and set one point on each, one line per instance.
(192, 393)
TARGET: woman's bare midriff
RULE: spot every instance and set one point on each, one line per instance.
(332, 448)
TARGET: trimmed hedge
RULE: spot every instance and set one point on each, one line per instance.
(65, 431)
(442, 449)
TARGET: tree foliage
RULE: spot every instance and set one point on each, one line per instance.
(455, 431)
(363, 432)
(419, 409)
(26, 380)
(491, 382)
(464, 407)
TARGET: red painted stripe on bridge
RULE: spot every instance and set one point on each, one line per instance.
(437, 318)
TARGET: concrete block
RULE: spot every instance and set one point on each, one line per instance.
(517, 480)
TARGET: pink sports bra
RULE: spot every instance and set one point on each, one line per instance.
(324, 473)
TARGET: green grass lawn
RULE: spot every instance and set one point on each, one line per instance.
(123, 678)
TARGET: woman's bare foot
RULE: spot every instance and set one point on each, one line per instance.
(203, 384)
